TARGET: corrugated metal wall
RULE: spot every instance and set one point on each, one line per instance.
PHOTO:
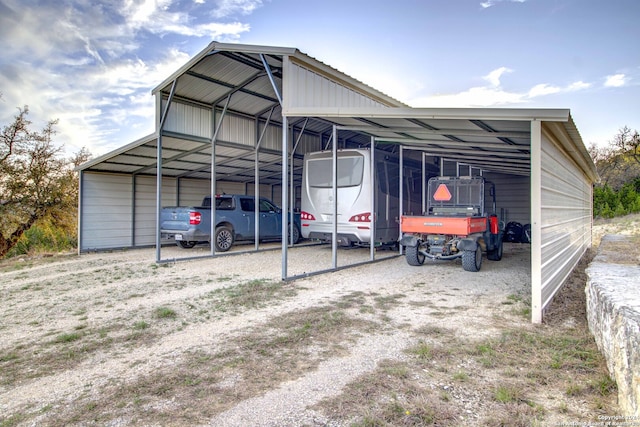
(566, 207)
(236, 129)
(145, 214)
(312, 89)
(106, 210)
(188, 119)
(513, 199)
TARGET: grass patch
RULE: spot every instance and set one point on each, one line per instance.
(507, 393)
(249, 295)
(389, 301)
(141, 325)
(434, 385)
(391, 395)
(67, 338)
(165, 313)
(206, 383)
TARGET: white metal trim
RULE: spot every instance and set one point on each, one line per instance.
(536, 221)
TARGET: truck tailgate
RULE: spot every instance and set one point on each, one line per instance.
(174, 218)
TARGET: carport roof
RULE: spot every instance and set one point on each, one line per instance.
(493, 139)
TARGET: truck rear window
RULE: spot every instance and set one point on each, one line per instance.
(224, 203)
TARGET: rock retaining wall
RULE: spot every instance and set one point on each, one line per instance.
(613, 313)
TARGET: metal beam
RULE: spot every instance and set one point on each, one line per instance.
(163, 120)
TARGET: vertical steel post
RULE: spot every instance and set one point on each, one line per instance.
(292, 192)
(401, 196)
(163, 119)
(424, 183)
(256, 175)
(212, 230)
(536, 222)
(133, 210)
(256, 188)
(80, 210)
(374, 183)
(334, 187)
(285, 207)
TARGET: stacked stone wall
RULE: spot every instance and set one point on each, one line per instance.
(613, 314)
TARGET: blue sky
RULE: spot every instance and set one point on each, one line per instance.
(92, 64)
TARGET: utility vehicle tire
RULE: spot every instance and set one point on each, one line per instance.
(413, 255)
(224, 238)
(496, 254)
(186, 244)
(472, 260)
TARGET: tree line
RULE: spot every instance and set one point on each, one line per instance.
(39, 186)
(618, 165)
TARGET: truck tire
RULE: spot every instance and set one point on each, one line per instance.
(472, 260)
(223, 238)
(296, 234)
(496, 254)
(186, 244)
(413, 255)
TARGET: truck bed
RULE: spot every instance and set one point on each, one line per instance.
(431, 224)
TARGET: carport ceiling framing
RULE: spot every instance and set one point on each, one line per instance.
(492, 139)
(485, 147)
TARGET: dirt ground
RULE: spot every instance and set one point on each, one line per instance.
(115, 339)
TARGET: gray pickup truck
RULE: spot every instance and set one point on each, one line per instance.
(235, 221)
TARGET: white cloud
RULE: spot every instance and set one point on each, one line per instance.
(616, 80)
(494, 76)
(94, 65)
(493, 95)
(230, 7)
(473, 97)
(579, 85)
(487, 4)
(214, 30)
(543, 89)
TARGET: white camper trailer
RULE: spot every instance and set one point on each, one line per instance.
(356, 186)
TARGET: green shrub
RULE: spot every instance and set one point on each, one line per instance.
(44, 237)
(609, 203)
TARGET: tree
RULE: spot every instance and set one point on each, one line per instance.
(36, 181)
(619, 162)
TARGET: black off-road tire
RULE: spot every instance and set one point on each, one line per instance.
(224, 238)
(413, 255)
(472, 260)
(184, 244)
(496, 254)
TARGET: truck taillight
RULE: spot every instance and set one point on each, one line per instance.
(195, 218)
(307, 216)
(363, 217)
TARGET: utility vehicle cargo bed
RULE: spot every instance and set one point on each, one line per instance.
(462, 226)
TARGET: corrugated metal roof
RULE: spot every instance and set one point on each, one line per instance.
(493, 139)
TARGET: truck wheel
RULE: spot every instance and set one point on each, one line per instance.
(413, 255)
(496, 254)
(224, 238)
(472, 260)
(296, 234)
(185, 244)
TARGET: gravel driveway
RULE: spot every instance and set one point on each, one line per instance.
(115, 339)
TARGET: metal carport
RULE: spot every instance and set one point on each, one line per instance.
(248, 113)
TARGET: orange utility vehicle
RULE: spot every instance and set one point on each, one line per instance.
(456, 224)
